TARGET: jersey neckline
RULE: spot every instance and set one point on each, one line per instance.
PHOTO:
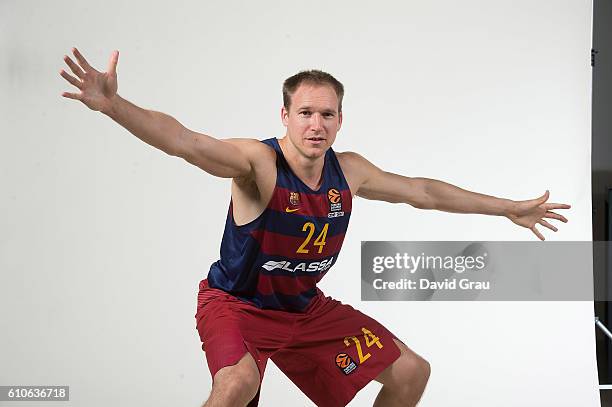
(323, 177)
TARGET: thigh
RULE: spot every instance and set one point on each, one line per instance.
(222, 337)
(229, 328)
(336, 351)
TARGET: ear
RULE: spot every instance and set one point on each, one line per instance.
(285, 116)
(339, 120)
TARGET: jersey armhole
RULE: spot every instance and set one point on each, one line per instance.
(260, 216)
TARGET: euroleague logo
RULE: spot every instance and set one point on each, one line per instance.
(335, 203)
(345, 363)
(334, 196)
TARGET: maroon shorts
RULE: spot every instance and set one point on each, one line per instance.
(331, 351)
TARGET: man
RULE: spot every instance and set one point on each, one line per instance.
(290, 205)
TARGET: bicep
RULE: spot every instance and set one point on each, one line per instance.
(221, 158)
(386, 186)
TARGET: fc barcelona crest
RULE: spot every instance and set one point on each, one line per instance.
(294, 198)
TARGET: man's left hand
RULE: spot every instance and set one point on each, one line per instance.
(528, 213)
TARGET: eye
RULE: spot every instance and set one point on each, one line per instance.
(328, 115)
(305, 113)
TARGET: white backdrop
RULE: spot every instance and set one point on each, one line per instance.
(104, 239)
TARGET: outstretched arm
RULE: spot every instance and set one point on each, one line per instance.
(370, 182)
(98, 91)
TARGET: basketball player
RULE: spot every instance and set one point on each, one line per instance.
(289, 210)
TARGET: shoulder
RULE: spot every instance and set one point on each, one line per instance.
(261, 156)
(349, 158)
(253, 147)
(356, 169)
(262, 159)
(354, 163)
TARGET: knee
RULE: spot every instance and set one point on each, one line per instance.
(416, 368)
(236, 384)
(411, 364)
(412, 379)
(410, 372)
(425, 369)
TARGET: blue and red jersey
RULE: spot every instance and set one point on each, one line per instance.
(276, 260)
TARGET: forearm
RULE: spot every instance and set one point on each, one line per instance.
(155, 128)
(449, 198)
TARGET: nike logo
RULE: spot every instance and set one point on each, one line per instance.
(288, 210)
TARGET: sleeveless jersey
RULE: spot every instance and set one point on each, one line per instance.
(276, 260)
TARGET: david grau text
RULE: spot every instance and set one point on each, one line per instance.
(426, 284)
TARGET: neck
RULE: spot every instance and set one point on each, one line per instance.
(307, 169)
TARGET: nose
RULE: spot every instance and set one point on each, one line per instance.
(316, 122)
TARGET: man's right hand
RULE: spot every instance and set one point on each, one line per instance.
(251, 163)
(97, 88)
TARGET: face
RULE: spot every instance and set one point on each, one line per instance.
(312, 120)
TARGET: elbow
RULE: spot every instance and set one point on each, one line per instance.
(430, 203)
(178, 146)
(186, 143)
(424, 199)
(423, 204)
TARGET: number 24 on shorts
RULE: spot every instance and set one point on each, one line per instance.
(370, 339)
